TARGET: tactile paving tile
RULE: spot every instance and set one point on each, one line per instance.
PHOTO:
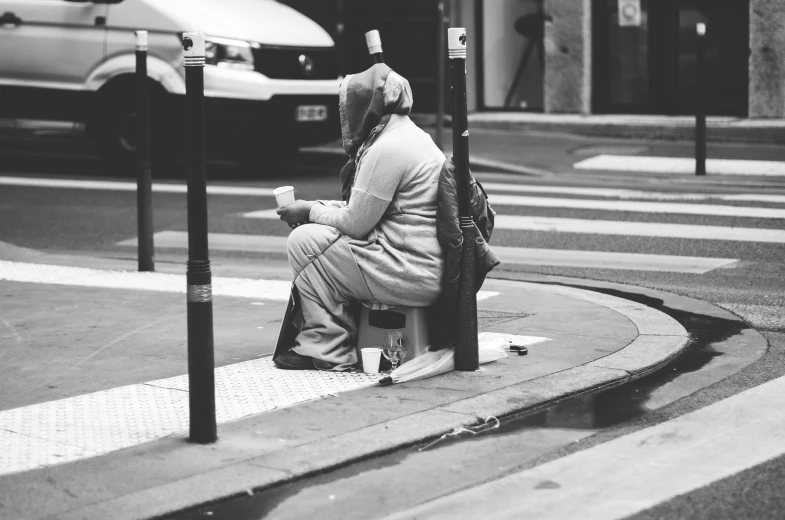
(101, 422)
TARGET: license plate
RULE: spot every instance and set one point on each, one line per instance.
(311, 113)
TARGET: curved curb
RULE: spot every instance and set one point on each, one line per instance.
(660, 339)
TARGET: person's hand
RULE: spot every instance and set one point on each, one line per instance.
(296, 213)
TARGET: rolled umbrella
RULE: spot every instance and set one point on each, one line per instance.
(441, 361)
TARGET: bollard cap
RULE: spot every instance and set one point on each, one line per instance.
(700, 29)
(141, 40)
(374, 42)
(193, 49)
(456, 42)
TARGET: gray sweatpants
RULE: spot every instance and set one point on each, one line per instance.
(329, 281)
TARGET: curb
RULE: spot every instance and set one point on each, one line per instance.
(669, 132)
(663, 128)
(660, 339)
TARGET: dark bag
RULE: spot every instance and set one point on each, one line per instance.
(291, 325)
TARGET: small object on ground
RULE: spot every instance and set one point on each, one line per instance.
(490, 423)
(291, 360)
(371, 358)
(520, 349)
(284, 195)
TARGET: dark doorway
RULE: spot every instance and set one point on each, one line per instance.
(649, 67)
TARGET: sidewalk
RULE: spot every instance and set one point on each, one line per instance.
(93, 374)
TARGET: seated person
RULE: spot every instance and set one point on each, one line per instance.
(378, 245)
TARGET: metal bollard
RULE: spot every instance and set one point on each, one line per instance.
(374, 43)
(144, 190)
(440, 75)
(466, 353)
(700, 102)
(201, 365)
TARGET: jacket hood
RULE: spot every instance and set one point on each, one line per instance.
(366, 97)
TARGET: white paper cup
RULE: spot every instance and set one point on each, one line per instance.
(372, 357)
(284, 195)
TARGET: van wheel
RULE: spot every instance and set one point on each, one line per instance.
(114, 127)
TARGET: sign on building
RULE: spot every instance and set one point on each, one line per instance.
(629, 13)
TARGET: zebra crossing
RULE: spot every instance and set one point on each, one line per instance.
(636, 213)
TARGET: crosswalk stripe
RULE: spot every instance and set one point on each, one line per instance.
(637, 206)
(158, 187)
(632, 473)
(682, 165)
(146, 281)
(489, 186)
(508, 255)
(276, 290)
(630, 194)
(641, 229)
(615, 227)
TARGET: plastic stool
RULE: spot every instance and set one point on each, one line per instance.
(412, 321)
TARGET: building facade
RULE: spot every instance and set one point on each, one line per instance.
(579, 56)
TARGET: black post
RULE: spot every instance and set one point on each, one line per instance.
(144, 190)
(700, 101)
(374, 43)
(201, 376)
(466, 353)
(440, 74)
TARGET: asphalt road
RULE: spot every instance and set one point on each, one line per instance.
(93, 222)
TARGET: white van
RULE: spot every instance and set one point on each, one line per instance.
(271, 82)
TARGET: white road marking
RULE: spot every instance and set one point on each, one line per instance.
(683, 165)
(241, 287)
(145, 281)
(129, 186)
(275, 290)
(615, 227)
(608, 260)
(635, 472)
(642, 229)
(638, 206)
(218, 242)
(508, 255)
(628, 194)
(489, 186)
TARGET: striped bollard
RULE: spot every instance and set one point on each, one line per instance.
(466, 353)
(144, 180)
(374, 42)
(201, 376)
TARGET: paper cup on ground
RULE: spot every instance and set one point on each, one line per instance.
(372, 357)
(284, 195)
